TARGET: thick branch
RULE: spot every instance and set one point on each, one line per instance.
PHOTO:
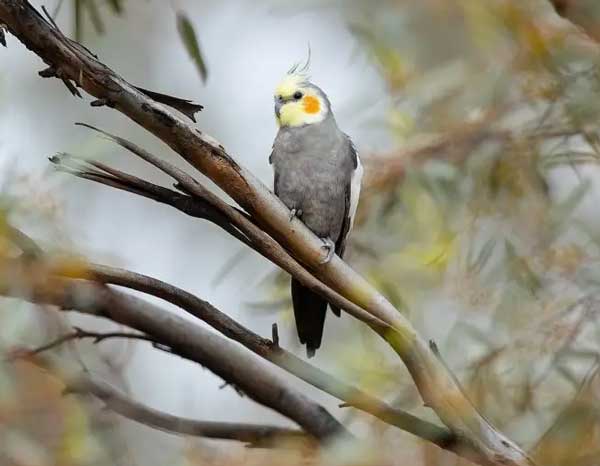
(265, 348)
(203, 310)
(223, 215)
(190, 341)
(253, 434)
(437, 386)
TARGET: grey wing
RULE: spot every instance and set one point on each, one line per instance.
(275, 174)
(340, 245)
(352, 194)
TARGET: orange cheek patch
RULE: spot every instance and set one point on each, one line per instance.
(311, 104)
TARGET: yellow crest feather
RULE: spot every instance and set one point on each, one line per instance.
(290, 84)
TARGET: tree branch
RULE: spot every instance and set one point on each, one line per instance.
(223, 215)
(225, 359)
(269, 350)
(76, 334)
(584, 14)
(71, 62)
(254, 434)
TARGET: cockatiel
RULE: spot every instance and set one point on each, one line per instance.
(318, 177)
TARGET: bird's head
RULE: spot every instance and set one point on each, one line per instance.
(298, 102)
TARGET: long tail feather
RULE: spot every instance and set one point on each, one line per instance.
(309, 311)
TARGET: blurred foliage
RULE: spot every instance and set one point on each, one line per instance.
(93, 11)
(188, 36)
(465, 225)
(475, 225)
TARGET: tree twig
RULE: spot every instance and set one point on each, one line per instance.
(77, 334)
(255, 435)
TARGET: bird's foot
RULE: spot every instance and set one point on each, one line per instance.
(328, 246)
(295, 213)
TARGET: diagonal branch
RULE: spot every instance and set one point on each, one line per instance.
(269, 350)
(253, 434)
(223, 215)
(76, 334)
(437, 386)
(101, 173)
(186, 339)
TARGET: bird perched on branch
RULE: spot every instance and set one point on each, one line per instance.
(318, 177)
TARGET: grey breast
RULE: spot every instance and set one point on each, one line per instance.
(313, 166)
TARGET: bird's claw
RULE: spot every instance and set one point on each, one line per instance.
(295, 213)
(328, 246)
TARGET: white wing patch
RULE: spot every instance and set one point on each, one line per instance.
(355, 185)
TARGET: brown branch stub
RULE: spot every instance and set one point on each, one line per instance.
(49, 72)
(101, 103)
(185, 106)
(275, 335)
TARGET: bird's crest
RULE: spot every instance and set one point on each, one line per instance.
(300, 69)
(297, 76)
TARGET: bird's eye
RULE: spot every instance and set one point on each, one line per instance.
(297, 95)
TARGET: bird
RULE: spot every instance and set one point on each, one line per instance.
(317, 175)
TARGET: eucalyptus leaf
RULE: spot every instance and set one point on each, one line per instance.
(190, 41)
(95, 16)
(484, 254)
(116, 6)
(78, 19)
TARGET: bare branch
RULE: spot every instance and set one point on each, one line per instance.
(254, 434)
(271, 351)
(190, 341)
(222, 214)
(77, 334)
(100, 173)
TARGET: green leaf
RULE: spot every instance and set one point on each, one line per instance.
(188, 36)
(116, 6)
(520, 269)
(95, 16)
(77, 19)
(483, 256)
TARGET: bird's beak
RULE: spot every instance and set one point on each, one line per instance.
(278, 105)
